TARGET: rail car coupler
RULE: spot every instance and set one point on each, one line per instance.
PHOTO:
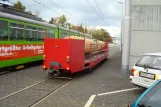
(53, 72)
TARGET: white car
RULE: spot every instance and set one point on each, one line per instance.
(147, 70)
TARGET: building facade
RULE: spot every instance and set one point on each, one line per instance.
(145, 28)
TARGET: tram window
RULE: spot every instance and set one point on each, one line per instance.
(64, 34)
(16, 31)
(74, 34)
(34, 34)
(20, 26)
(28, 27)
(13, 24)
(3, 30)
(50, 34)
(31, 33)
(41, 34)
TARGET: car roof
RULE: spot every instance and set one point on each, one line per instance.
(135, 104)
(155, 54)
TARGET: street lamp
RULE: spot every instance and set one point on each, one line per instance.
(120, 2)
(127, 37)
(121, 34)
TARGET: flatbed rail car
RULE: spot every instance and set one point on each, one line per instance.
(69, 55)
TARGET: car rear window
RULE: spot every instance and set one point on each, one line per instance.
(152, 98)
(150, 61)
(156, 63)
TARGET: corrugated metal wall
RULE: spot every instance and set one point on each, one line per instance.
(145, 29)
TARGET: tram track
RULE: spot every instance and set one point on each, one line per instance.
(51, 93)
(36, 84)
(4, 72)
(9, 95)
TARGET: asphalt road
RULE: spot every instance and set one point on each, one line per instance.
(56, 92)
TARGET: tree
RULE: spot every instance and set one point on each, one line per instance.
(99, 34)
(109, 39)
(80, 28)
(74, 27)
(56, 21)
(51, 21)
(19, 6)
(68, 25)
(59, 21)
(86, 30)
(62, 20)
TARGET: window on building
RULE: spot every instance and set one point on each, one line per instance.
(3, 30)
(50, 34)
(16, 31)
(41, 34)
(64, 34)
(31, 33)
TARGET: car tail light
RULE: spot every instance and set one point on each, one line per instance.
(132, 72)
(44, 57)
(68, 58)
(157, 77)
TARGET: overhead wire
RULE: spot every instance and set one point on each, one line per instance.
(45, 6)
(63, 9)
(99, 10)
(60, 8)
(36, 2)
(10, 2)
(95, 11)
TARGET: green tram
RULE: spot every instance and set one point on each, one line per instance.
(21, 39)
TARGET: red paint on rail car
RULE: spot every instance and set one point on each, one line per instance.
(69, 55)
(57, 50)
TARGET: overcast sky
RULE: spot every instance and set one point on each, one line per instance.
(80, 11)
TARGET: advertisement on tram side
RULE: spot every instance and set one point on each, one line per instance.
(8, 52)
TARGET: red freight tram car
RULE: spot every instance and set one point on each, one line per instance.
(69, 55)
